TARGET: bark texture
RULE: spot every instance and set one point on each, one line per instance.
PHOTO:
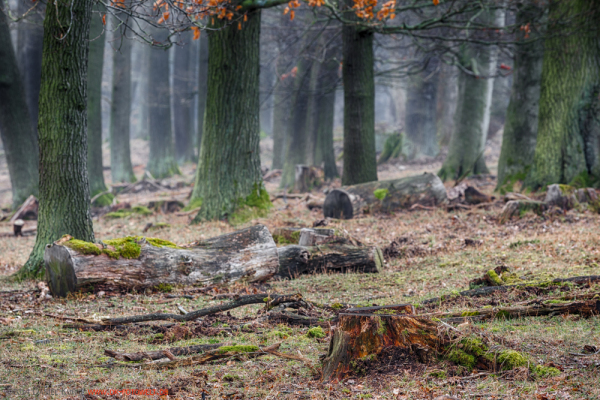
(94, 107)
(472, 118)
(521, 126)
(384, 196)
(121, 168)
(568, 140)
(229, 164)
(202, 85)
(161, 163)
(16, 131)
(64, 188)
(249, 255)
(182, 101)
(360, 163)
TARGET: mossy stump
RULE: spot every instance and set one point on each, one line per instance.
(366, 335)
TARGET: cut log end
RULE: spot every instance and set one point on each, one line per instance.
(338, 205)
(60, 273)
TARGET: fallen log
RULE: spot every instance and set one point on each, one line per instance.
(384, 196)
(27, 211)
(330, 257)
(292, 235)
(156, 355)
(138, 262)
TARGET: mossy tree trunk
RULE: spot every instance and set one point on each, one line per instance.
(161, 163)
(94, 106)
(229, 164)
(296, 152)
(521, 126)
(16, 130)
(421, 111)
(202, 85)
(472, 117)
(30, 40)
(182, 101)
(567, 142)
(360, 163)
(121, 168)
(64, 201)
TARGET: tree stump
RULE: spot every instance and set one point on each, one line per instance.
(384, 196)
(364, 335)
(307, 178)
(138, 262)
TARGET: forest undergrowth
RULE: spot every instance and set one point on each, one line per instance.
(435, 253)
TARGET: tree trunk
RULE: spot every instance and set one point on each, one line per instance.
(137, 262)
(384, 196)
(296, 152)
(17, 134)
(121, 168)
(94, 106)
(182, 102)
(361, 335)
(446, 103)
(472, 118)
(282, 100)
(140, 62)
(569, 130)
(161, 163)
(421, 111)
(229, 164)
(267, 80)
(360, 163)
(64, 188)
(30, 40)
(521, 126)
(326, 258)
(202, 85)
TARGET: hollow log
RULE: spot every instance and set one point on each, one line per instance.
(362, 335)
(249, 254)
(331, 257)
(384, 196)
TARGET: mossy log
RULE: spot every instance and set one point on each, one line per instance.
(384, 196)
(138, 262)
(292, 235)
(331, 257)
(359, 336)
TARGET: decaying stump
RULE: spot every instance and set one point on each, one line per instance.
(366, 335)
(516, 207)
(384, 196)
(307, 178)
(331, 257)
(249, 254)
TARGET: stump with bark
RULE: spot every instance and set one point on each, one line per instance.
(359, 336)
(384, 196)
(139, 262)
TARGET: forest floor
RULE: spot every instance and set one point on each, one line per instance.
(442, 252)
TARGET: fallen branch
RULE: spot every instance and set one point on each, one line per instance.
(239, 302)
(157, 355)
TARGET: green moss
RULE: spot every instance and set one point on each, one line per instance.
(164, 287)
(438, 374)
(382, 328)
(142, 210)
(381, 193)
(279, 334)
(237, 349)
(126, 247)
(541, 371)
(117, 214)
(511, 359)
(316, 332)
(255, 205)
(502, 314)
(83, 247)
(156, 242)
(461, 358)
(494, 278)
(469, 313)
(193, 204)
(337, 306)
(474, 346)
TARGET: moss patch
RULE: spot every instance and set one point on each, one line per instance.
(126, 247)
(83, 247)
(473, 346)
(380, 193)
(541, 371)
(461, 358)
(494, 278)
(164, 287)
(156, 242)
(193, 204)
(105, 200)
(237, 349)
(255, 205)
(511, 359)
(316, 332)
(126, 212)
